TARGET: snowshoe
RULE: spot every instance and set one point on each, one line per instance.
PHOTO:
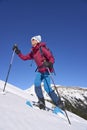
(57, 110)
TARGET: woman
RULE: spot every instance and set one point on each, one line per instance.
(44, 62)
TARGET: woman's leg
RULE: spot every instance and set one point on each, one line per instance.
(49, 90)
(38, 90)
(37, 83)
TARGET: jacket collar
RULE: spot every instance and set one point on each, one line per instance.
(38, 46)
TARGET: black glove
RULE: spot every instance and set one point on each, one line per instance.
(15, 48)
(48, 64)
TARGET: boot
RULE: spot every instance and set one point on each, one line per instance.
(61, 104)
(41, 103)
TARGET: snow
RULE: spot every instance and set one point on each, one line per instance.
(16, 115)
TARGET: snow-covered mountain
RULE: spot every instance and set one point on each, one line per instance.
(16, 115)
(75, 100)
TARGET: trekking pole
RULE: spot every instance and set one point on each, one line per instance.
(9, 70)
(58, 94)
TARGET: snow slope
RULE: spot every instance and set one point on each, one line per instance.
(16, 115)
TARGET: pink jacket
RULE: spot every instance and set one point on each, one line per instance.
(38, 58)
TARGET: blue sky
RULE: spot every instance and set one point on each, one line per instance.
(62, 25)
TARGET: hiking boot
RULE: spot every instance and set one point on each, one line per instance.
(61, 105)
(41, 104)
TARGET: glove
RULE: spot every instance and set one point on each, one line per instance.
(15, 48)
(48, 64)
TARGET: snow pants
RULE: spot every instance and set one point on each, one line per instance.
(45, 77)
